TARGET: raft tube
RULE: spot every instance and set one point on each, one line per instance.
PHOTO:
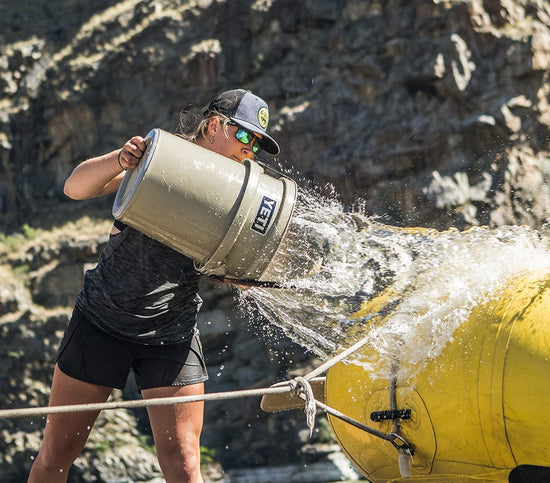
(476, 413)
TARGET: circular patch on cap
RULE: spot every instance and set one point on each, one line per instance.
(263, 117)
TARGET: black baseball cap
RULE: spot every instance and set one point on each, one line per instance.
(248, 111)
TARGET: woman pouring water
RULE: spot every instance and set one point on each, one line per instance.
(138, 308)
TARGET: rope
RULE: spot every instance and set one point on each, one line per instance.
(300, 385)
(331, 362)
(165, 401)
(391, 437)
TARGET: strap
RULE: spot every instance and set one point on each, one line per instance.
(119, 225)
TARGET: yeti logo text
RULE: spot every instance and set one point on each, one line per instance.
(263, 217)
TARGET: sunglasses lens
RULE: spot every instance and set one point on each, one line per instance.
(245, 137)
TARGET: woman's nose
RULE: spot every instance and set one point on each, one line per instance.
(247, 150)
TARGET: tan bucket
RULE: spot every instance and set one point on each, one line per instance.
(229, 217)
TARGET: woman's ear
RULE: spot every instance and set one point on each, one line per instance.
(213, 124)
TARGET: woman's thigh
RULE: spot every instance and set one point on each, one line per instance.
(176, 428)
(66, 433)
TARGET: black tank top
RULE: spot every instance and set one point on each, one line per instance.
(141, 291)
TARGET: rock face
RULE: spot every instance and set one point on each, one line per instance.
(434, 113)
(431, 113)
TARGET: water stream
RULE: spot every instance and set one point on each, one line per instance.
(346, 277)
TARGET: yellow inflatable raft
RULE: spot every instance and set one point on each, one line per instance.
(478, 412)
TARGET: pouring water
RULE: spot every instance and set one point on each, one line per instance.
(346, 276)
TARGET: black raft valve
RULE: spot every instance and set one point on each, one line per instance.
(390, 414)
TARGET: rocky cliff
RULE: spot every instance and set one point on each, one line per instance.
(423, 112)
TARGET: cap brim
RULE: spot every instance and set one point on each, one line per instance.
(267, 143)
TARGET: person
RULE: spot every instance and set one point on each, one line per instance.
(138, 308)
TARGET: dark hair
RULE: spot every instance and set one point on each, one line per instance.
(191, 124)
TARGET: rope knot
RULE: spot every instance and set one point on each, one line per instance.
(298, 386)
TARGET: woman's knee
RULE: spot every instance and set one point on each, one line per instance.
(61, 446)
(49, 463)
(58, 455)
(181, 464)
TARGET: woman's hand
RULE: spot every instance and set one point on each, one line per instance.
(131, 153)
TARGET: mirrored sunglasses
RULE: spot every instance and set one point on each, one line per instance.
(246, 137)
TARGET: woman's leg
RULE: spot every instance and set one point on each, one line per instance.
(65, 434)
(177, 430)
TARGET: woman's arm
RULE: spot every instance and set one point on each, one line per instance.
(102, 175)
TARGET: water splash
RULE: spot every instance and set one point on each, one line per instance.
(347, 277)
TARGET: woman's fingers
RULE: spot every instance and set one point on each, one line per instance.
(132, 152)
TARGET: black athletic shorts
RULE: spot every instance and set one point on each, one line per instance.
(91, 355)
